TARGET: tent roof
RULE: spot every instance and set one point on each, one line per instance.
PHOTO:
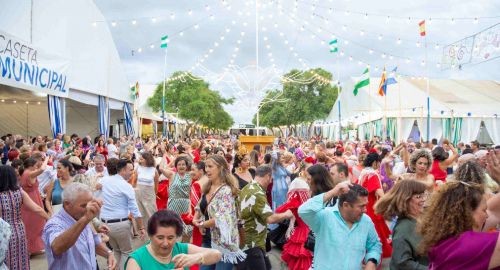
(65, 28)
(408, 98)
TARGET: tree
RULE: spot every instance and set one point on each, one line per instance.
(194, 102)
(307, 99)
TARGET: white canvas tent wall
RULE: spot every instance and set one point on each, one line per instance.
(64, 28)
(474, 101)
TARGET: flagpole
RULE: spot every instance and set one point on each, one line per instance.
(400, 113)
(338, 98)
(428, 93)
(164, 131)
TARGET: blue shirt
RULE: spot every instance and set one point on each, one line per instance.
(339, 247)
(57, 191)
(118, 198)
(81, 255)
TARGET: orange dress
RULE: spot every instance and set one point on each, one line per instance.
(34, 223)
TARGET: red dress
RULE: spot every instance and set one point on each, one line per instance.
(438, 173)
(371, 181)
(194, 197)
(294, 254)
(162, 195)
(33, 222)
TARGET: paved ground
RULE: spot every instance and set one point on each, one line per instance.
(39, 262)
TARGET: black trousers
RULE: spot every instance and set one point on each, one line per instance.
(256, 260)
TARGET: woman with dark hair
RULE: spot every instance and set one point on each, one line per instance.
(405, 201)
(12, 200)
(179, 188)
(219, 203)
(319, 179)
(371, 179)
(147, 185)
(53, 201)
(31, 169)
(442, 160)
(198, 180)
(241, 168)
(456, 241)
(164, 252)
(100, 148)
(86, 145)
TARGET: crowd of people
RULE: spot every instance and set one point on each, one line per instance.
(212, 203)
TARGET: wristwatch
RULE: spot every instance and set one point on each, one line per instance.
(372, 260)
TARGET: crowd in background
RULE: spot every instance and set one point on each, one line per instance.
(213, 203)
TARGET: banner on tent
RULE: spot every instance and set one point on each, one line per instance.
(24, 66)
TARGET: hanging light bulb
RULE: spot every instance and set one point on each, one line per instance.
(436, 46)
(417, 44)
(398, 41)
(153, 19)
(134, 22)
(476, 20)
(113, 23)
(94, 24)
(380, 37)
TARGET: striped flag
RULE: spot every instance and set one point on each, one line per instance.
(363, 81)
(333, 46)
(164, 41)
(421, 27)
(382, 87)
(134, 90)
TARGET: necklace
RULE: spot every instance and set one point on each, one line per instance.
(163, 259)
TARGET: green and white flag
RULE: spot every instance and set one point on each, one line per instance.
(333, 46)
(363, 81)
(164, 42)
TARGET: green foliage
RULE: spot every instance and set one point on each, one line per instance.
(194, 101)
(307, 100)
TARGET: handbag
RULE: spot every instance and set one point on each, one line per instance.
(278, 235)
(310, 241)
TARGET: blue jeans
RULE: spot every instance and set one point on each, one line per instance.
(224, 266)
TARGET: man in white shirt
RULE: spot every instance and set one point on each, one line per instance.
(99, 170)
(112, 149)
(119, 200)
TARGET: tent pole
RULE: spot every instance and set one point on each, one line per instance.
(164, 131)
(428, 94)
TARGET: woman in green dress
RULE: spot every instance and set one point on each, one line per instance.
(164, 252)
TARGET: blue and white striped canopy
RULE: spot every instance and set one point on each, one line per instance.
(103, 114)
(57, 114)
(129, 119)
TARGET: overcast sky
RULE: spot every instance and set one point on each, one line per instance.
(216, 40)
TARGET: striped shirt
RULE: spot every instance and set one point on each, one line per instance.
(81, 255)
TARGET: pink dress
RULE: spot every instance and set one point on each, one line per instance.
(470, 250)
(33, 222)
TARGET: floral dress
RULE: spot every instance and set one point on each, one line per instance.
(225, 236)
(4, 242)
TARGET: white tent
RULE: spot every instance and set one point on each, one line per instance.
(463, 104)
(62, 31)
